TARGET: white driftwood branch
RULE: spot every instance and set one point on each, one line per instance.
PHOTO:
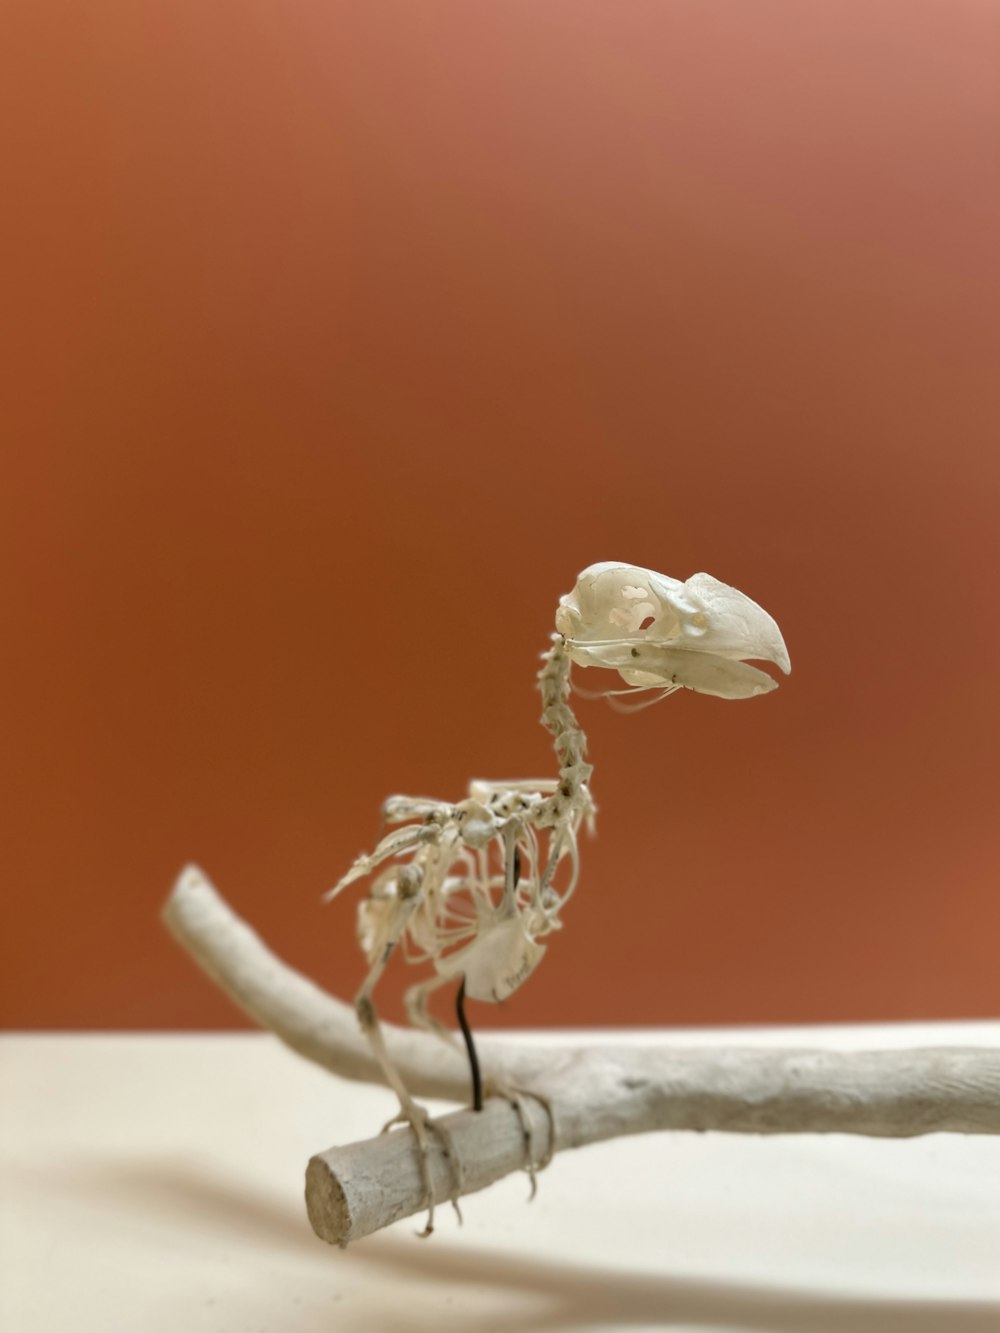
(593, 1091)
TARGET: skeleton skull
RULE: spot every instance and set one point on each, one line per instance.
(660, 633)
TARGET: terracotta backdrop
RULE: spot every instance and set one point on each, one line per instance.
(342, 335)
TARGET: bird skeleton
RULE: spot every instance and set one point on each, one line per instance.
(659, 635)
(474, 889)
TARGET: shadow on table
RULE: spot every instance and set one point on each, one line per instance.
(578, 1297)
(610, 1298)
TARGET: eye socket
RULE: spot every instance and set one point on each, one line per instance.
(640, 615)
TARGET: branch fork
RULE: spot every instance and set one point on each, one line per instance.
(577, 1093)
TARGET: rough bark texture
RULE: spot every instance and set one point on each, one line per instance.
(353, 1191)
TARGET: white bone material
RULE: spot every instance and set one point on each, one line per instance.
(659, 633)
(497, 962)
(472, 889)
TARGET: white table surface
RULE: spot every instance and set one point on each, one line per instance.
(154, 1182)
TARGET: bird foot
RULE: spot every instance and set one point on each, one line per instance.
(423, 1125)
(515, 1096)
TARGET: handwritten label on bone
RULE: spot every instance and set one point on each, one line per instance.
(497, 963)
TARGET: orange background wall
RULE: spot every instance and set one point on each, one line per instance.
(342, 335)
